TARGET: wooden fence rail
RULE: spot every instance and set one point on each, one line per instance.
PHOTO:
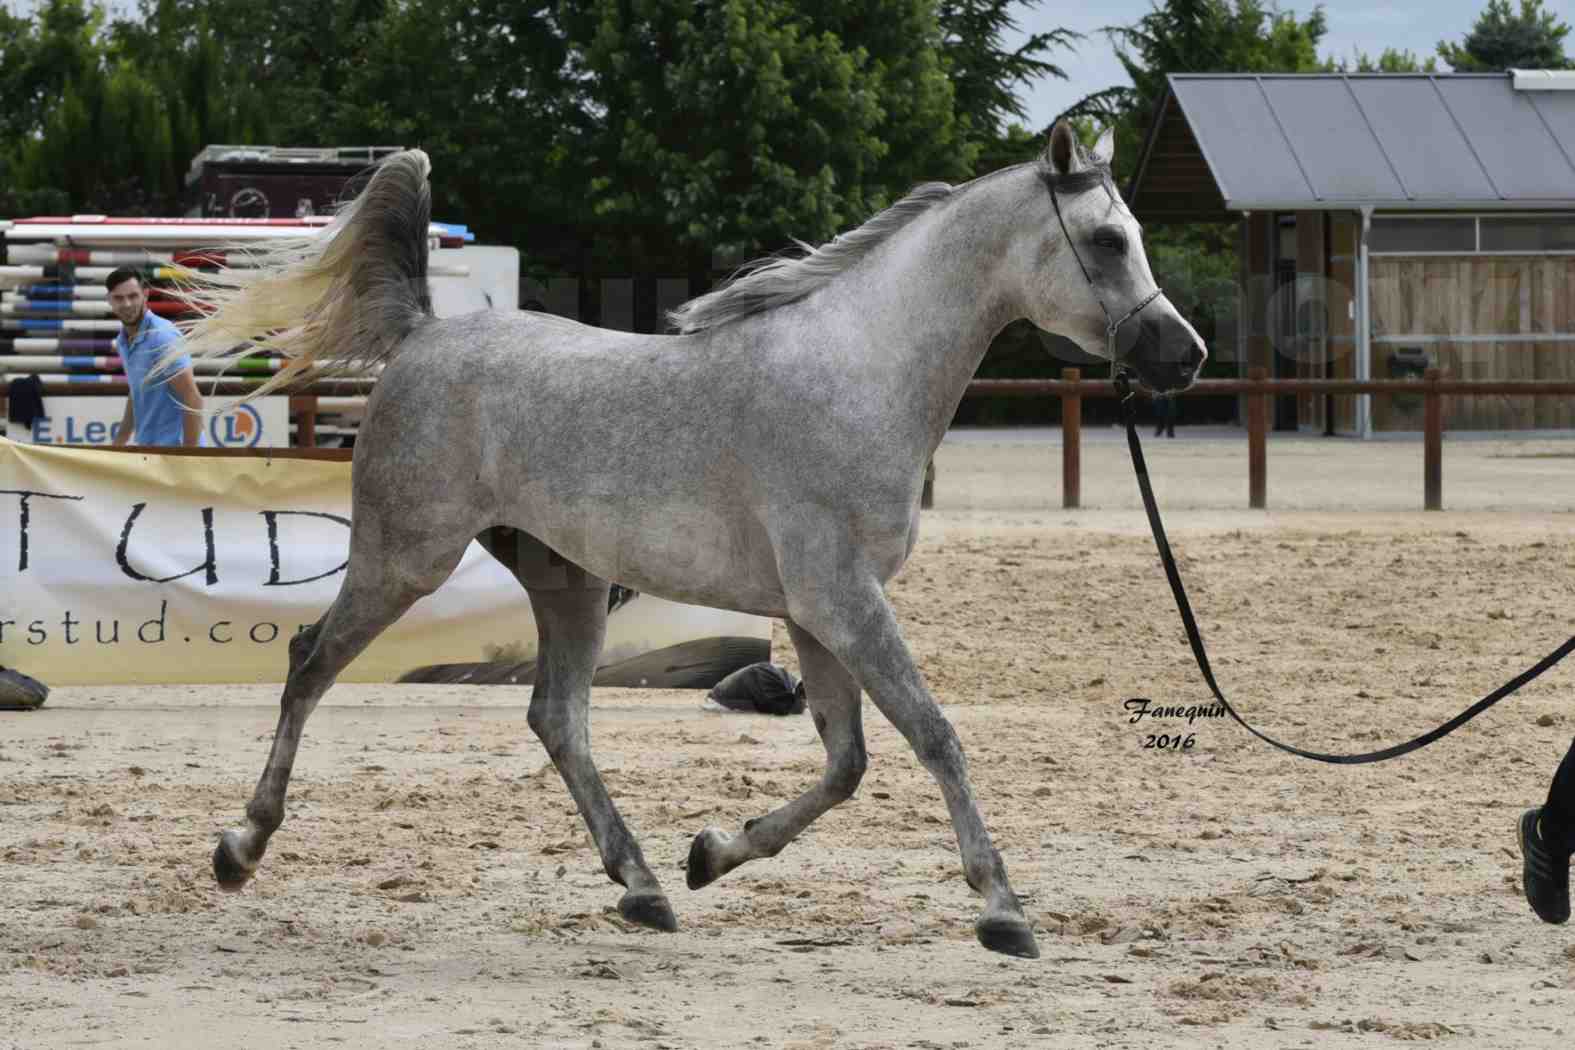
(1258, 388)
(1071, 388)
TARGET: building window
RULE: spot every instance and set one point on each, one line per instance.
(1528, 235)
(1423, 235)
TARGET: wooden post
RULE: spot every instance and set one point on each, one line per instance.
(1257, 457)
(1432, 444)
(1071, 440)
(306, 435)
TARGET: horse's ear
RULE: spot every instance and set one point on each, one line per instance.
(1062, 153)
(1105, 148)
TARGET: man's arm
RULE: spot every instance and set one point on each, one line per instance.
(184, 387)
(128, 424)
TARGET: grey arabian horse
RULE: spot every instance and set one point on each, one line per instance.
(768, 458)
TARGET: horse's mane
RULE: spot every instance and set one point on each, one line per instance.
(769, 283)
(776, 281)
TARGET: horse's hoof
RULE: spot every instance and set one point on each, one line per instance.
(1007, 935)
(650, 910)
(703, 868)
(228, 871)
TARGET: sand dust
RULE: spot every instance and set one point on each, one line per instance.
(433, 884)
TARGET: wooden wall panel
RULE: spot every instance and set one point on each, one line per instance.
(1450, 298)
(1457, 302)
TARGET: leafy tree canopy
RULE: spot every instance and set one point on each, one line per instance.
(1503, 38)
(735, 124)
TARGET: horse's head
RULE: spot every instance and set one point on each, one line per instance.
(1092, 248)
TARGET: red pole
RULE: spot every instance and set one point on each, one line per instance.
(1257, 452)
(1432, 444)
(1071, 440)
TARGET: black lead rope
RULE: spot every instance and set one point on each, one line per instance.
(1082, 181)
(1123, 388)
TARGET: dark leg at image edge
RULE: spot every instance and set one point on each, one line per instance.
(1547, 838)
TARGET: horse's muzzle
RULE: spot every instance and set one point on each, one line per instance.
(1167, 357)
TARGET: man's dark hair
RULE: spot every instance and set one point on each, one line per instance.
(124, 273)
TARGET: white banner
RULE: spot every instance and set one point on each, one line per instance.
(262, 423)
(131, 567)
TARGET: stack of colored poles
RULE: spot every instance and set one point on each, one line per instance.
(55, 320)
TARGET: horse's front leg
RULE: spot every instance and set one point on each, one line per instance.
(833, 698)
(855, 622)
(367, 603)
(571, 625)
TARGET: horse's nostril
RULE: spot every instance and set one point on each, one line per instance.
(1195, 357)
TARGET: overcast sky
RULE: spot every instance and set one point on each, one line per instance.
(1417, 25)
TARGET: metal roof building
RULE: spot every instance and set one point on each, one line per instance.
(1385, 218)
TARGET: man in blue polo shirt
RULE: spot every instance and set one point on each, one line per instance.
(166, 410)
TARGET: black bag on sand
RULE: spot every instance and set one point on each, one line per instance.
(18, 692)
(764, 688)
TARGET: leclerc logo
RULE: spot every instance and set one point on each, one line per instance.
(241, 427)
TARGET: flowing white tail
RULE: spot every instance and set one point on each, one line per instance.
(334, 304)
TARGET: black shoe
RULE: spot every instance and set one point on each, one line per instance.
(1545, 876)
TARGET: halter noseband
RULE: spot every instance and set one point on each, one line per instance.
(1079, 182)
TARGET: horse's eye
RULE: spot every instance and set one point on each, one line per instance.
(1110, 240)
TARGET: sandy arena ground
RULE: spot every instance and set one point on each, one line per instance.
(434, 886)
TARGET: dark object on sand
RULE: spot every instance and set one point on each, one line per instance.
(762, 687)
(18, 692)
(698, 664)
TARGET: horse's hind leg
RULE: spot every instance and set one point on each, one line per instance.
(857, 625)
(833, 698)
(372, 597)
(571, 625)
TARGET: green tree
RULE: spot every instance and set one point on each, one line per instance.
(733, 124)
(922, 132)
(1503, 39)
(483, 87)
(110, 114)
(1199, 36)
(985, 75)
(106, 143)
(736, 124)
(1390, 61)
(82, 125)
(207, 75)
(295, 56)
(301, 54)
(39, 55)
